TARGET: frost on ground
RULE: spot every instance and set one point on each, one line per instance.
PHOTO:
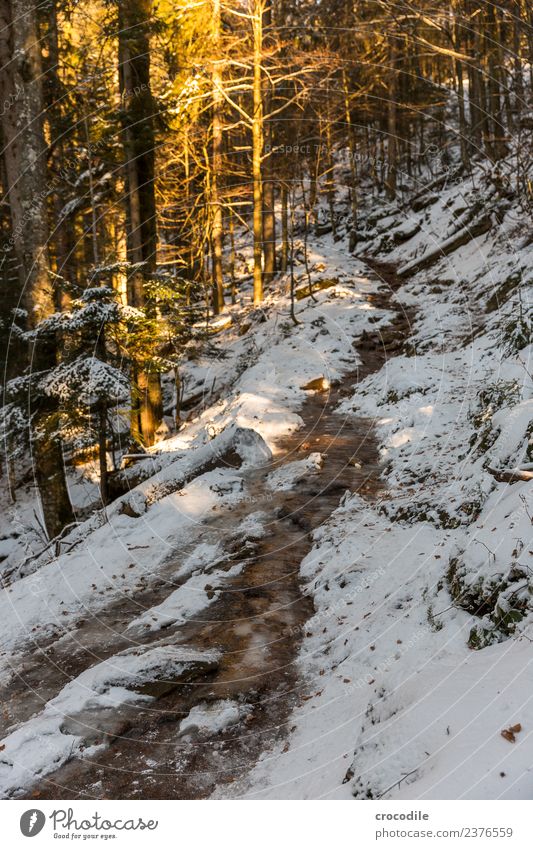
(105, 556)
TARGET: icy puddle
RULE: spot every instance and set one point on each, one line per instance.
(236, 601)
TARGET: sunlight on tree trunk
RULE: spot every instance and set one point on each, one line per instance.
(257, 148)
(139, 143)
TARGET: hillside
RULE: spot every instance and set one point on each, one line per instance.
(319, 587)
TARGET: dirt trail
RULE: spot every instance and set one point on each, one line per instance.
(257, 619)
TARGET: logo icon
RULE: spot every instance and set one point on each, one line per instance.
(32, 822)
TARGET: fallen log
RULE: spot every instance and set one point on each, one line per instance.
(510, 475)
(439, 181)
(306, 291)
(234, 447)
(231, 447)
(478, 228)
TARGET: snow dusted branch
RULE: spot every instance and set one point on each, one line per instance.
(510, 475)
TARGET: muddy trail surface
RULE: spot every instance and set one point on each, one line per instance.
(256, 620)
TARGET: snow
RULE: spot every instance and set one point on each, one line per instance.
(109, 564)
(289, 475)
(419, 652)
(466, 701)
(253, 526)
(212, 718)
(186, 602)
(85, 380)
(396, 703)
(43, 743)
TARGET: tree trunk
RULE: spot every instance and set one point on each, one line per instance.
(269, 226)
(257, 149)
(330, 177)
(25, 168)
(392, 141)
(139, 144)
(463, 128)
(517, 58)
(216, 167)
(62, 238)
(269, 216)
(102, 453)
(351, 148)
(494, 100)
(284, 227)
(232, 256)
(292, 279)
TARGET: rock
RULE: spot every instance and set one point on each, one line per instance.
(179, 665)
(165, 429)
(251, 447)
(145, 670)
(318, 384)
(211, 719)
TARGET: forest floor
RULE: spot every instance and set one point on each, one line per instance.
(232, 592)
(296, 615)
(256, 622)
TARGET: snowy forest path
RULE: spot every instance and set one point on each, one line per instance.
(256, 619)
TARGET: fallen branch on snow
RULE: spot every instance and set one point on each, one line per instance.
(510, 475)
(478, 228)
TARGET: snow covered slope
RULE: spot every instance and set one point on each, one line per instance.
(420, 653)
